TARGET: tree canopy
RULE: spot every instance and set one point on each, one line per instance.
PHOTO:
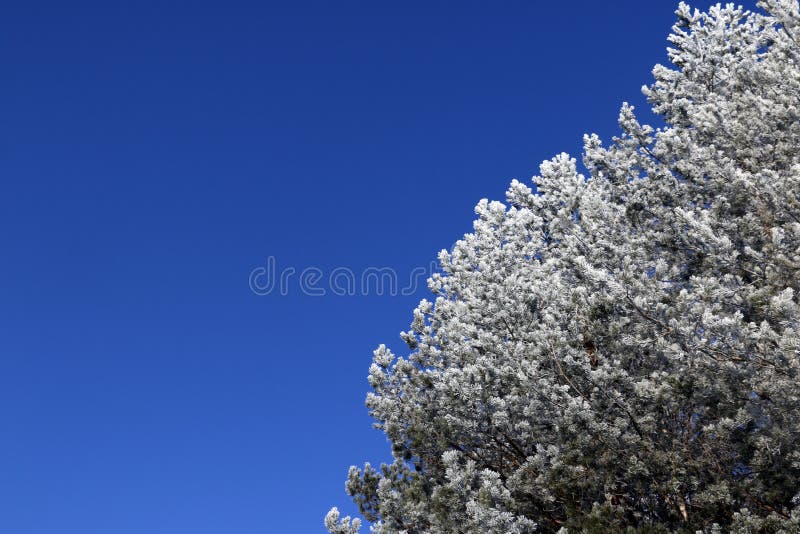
(617, 347)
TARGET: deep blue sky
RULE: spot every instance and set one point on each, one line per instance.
(153, 154)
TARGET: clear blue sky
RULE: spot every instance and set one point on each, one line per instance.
(153, 154)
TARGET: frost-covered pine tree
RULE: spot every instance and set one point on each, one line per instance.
(621, 349)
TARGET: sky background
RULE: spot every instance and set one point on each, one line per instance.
(153, 154)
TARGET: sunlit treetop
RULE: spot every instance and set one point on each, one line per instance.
(618, 346)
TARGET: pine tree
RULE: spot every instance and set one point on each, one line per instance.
(619, 350)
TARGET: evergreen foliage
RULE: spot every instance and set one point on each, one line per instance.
(619, 352)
